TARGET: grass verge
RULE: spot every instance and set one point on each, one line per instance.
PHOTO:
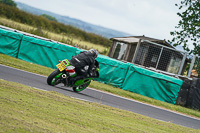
(13, 62)
(54, 36)
(25, 109)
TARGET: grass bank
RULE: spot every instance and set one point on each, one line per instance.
(20, 64)
(25, 109)
(71, 40)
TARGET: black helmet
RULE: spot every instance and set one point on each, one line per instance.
(94, 52)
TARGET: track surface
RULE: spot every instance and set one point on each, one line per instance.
(92, 95)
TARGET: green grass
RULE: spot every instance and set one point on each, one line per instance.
(54, 36)
(20, 64)
(25, 109)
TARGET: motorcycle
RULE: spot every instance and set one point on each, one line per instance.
(66, 71)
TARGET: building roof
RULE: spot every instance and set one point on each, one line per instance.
(135, 39)
(126, 39)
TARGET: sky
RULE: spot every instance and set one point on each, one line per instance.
(152, 18)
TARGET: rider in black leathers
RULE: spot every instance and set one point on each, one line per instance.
(86, 58)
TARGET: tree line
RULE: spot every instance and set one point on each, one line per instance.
(9, 2)
(188, 29)
(41, 22)
(187, 33)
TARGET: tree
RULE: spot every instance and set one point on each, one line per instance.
(9, 2)
(49, 17)
(188, 30)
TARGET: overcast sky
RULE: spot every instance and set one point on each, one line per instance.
(152, 18)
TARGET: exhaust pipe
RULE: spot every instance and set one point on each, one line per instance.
(64, 76)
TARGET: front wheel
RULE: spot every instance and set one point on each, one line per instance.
(54, 78)
(81, 87)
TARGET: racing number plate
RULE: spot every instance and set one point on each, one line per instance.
(61, 66)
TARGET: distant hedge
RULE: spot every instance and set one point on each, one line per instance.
(18, 15)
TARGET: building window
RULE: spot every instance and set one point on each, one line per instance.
(120, 50)
(174, 65)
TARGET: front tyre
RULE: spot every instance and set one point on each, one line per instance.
(81, 87)
(54, 78)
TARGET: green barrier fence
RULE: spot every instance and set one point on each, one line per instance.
(152, 84)
(43, 52)
(112, 71)
(10, 42)
(117, 73)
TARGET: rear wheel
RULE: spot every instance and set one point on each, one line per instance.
(81, 87)
(54, 78)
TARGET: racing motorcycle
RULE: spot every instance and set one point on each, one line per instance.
(66, 71)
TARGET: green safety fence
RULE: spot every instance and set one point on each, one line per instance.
(152, 84)
(43, 52)
(112, 71)
(138, 80)
(117, 73)
(10, 42)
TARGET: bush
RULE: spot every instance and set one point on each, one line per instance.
(53, 26)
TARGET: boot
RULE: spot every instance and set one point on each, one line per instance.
(73, 80)
(66, 81)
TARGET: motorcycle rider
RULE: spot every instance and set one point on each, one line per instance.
(80, 61)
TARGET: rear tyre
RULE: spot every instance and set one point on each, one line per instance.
(81, 87)
(53, 78)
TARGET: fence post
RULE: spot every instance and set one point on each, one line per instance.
(182, 63)
(191, 66)
(136, 50)
(18, 50)
(159, 57)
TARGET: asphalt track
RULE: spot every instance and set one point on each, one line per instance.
(92, 95)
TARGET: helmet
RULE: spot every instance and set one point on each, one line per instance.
(94, 52)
